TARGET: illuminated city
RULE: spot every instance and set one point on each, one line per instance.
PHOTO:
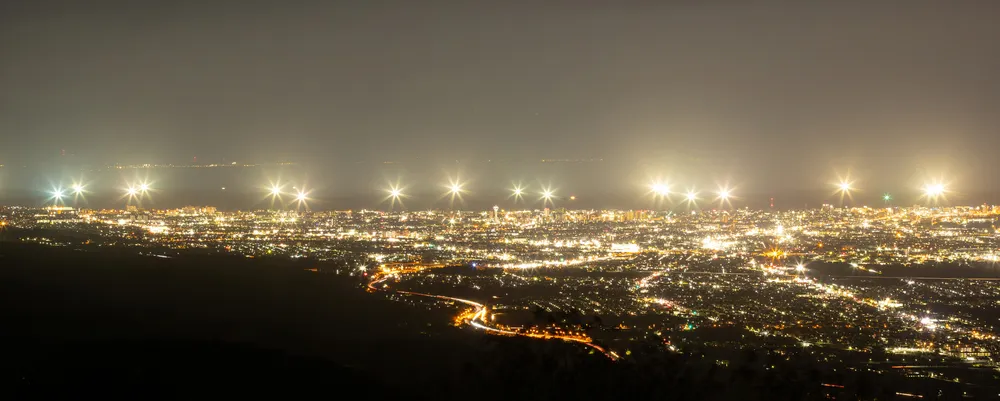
(849, 282)
(507, 200)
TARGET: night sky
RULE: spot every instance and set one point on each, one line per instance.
(776, 95)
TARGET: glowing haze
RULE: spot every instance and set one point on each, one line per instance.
(590, 99)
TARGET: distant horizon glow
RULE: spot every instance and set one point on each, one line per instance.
(933, 191)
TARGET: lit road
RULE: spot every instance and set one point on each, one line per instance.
(477, 317)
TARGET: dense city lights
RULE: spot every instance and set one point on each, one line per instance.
(512, 200)
(699, 261)
(710, 269)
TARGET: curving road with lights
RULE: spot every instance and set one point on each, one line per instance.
(477, 317)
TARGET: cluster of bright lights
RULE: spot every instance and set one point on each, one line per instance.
(276, 190)
(138, 189)
(662, 190)
(715, 244)
(933, 191)
(57, 194)
(547, 194)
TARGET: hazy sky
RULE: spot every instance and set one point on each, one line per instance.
(777, 90)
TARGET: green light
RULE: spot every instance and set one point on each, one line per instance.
(887, 197)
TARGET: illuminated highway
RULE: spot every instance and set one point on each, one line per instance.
(477, 316)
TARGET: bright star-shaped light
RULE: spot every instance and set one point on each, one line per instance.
(274, 191)
(396, 195)
(77, 189)
(301, 196)
(845, 187)
(131, 191)
(143, 187)
(517, 192)
(455, 190)
(934, 190)
(691, 196)
(660, 188)
(547, 196)
(723, 196)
